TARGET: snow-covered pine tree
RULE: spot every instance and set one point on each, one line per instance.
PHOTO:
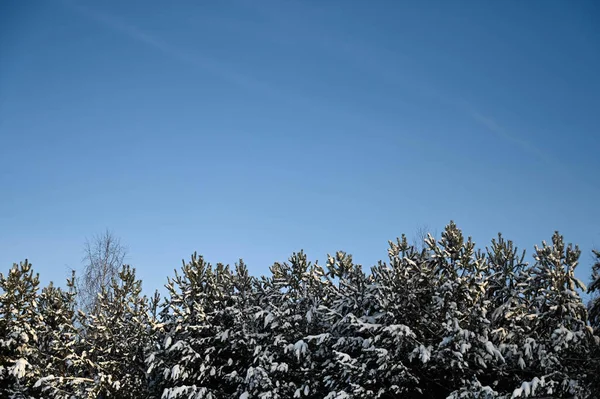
(315, 323)
(262, 378)
(206, 341)
(465, 350)
(64, 375)
(594, 290)
(377, 338)
(178, 348)
(350, 370)
(241, 330)
(445, 321)
(292, 348)
(506, 272)
(116, 336)
(559, 339)
(20, 323)
(594, 317)
(506, 292)
(231, 344)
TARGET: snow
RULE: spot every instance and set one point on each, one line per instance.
(19, 368)
(442, 317)
(300, 348)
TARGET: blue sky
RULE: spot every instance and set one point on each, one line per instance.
(252, 129)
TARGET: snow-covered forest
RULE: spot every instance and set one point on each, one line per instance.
(447, 321)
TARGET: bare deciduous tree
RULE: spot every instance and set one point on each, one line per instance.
(420, 237)
(104, 256)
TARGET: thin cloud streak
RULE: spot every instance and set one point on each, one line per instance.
(215, 67)
(361, 54)
(209, 64)
(565, 170)
(499, 131)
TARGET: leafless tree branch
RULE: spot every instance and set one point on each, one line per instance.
(103, 258)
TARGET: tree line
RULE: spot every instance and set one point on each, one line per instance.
(442, 320)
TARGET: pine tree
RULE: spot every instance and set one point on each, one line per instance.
(594, 289)
(559, 339)
(205, 343)
(446, 320)
(594, 317)
(117, 335)
(20, 322)
(64, 376)
(292, 335)
(465, 348)
(507, 278)
(377, 338)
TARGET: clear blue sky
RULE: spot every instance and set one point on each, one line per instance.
(257, 128)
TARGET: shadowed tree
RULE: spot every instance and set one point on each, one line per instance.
(594, 290)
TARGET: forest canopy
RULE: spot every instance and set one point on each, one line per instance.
(441, 320)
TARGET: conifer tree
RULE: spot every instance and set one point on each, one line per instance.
(20, 323)
(557, 337)
(462, 348)
(594, 317)
(446, 321)
(64, 376)
(349, 369)
(117, 335)
(378, 330)
(506, 282)
(291, 352)
(205, 343)
(594, 289)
